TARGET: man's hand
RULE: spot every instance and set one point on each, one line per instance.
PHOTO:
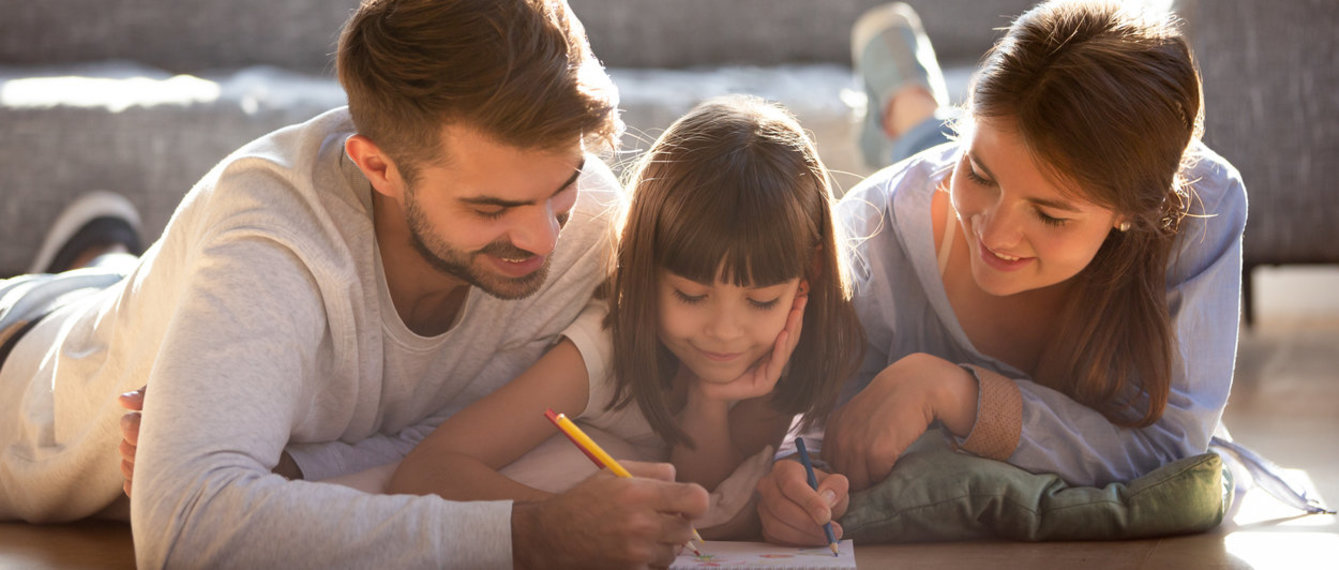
(133, 402)
(793, 513)
(609, 522)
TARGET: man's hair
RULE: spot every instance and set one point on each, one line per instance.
(520, 71)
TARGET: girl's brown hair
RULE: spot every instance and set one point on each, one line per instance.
(734, 187)
(518, 70)
(1108, 99)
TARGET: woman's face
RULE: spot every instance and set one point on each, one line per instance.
(718, 330)
(1023, 231)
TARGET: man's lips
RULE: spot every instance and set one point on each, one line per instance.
(517, 267)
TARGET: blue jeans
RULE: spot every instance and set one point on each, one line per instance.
(931, 132)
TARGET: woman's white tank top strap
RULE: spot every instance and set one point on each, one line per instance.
(946, 244)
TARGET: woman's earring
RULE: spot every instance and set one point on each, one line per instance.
(1124, 226)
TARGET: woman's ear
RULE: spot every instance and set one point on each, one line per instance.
(379, 169)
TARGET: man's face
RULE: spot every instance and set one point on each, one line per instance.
(491, 214)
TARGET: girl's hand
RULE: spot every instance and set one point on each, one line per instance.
(793, 513)
(761, 378)
(865, 437)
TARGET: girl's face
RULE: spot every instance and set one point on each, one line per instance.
(719, 329)
(1023, 231)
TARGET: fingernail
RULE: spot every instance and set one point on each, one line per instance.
(130, 394)
(829, 497)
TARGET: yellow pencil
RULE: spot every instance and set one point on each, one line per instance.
(598, 455)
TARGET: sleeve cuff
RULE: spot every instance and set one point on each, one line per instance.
(999, 416)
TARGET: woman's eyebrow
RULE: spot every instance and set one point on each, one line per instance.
(1047, 202)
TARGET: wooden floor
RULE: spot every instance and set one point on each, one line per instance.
(1284, 403)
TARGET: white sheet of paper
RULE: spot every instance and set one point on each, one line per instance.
(729, 554)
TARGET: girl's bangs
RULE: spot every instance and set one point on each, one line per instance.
(753, 236)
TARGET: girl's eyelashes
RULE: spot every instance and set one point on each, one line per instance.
(764, 305)
(689, 299)
(695, 299)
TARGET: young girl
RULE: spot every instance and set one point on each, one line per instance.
(696, 355)
(1058, 288)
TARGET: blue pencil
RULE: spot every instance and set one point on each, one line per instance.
(813, 482)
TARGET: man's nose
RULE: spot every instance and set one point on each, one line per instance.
(538, 232)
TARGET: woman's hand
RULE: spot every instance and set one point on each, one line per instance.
(761, 378)
(866, 436)
(133, 402)
(791, 512)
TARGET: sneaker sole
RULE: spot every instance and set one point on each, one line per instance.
(90, 206)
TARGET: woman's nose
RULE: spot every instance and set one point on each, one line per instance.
(999, 228)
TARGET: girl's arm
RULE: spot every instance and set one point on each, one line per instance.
(461, 458)
(724, 438)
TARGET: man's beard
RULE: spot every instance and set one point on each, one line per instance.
(461, 264)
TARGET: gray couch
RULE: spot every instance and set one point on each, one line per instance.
(222, 73)
(213, 75)
(1271, 94)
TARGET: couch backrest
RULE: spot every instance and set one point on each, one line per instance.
(1270, 84)
(300, 35)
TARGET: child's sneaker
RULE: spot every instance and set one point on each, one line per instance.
(890, 50)
(94, 220)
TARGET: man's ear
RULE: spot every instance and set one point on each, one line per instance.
(379, 169)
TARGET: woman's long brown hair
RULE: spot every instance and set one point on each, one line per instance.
(1108, 100)
(733, 190)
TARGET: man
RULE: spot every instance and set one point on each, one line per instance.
(331, 292)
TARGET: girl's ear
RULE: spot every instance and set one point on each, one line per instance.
(804, 288)
(816, 266)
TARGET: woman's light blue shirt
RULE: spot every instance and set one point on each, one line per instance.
(902, 304)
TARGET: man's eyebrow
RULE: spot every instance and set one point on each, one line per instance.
(501, 203)
(1057, 204)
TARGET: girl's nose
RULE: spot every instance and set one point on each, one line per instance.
(724, 324)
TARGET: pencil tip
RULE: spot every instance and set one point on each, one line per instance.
(833, 546)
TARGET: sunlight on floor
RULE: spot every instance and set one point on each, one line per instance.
(1273, 549)
(1270, 534)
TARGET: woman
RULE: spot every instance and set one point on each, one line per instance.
(1058, 287)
